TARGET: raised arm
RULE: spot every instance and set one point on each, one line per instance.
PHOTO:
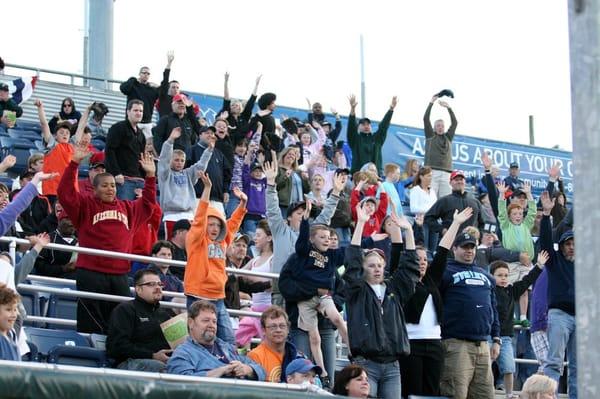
(166, 153)
(303, 242)
(332, 201)
(384, 125)
(83, 123)
(427, 118)
(351, 129)
(68, 196)
(546, 242)
(46, 135)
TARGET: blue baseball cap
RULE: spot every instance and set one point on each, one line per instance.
(566, 236)
(302, 366)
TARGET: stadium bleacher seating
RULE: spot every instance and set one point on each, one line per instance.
(31, 302)
(62, 307)
(78, 356)
(45, 339)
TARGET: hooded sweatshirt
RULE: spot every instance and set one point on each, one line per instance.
(470, 310)
(101, 225)
(177, 193)
(205, 275)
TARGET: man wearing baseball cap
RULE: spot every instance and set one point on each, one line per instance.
(562, 331)
(183, 117)
(7, 107)
(459, 199)
(470, 317)
(96, 167)
(366, 145)
(512, 180)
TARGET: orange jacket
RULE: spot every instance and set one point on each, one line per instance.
(56, 160)
(205, 275)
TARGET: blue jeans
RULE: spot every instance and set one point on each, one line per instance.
(231, 204)
(506, 358)
(126, 191)
(249, 226)
(143, 365)
(224, 327)
(344, 236)
(300, 340)
(561, 338)
(384, 378)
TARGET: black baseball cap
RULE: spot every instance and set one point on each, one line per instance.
(4, 87)
(464, 239)
(364, 120)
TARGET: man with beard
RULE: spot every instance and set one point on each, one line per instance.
(204, 355)
(561, 298)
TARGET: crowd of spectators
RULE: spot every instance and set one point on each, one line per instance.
(417, 273)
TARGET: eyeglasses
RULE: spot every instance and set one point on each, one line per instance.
(67, 105)
(152, 284)
(281, 326)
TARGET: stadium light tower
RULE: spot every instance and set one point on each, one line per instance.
(98, 41)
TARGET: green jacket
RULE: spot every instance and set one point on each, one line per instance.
(517, 237)
(367, 147)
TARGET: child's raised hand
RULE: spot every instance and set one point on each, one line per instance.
(308, 208)
(501, 188)
(361, 214)
(240, 194)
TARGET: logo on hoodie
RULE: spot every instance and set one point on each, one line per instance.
(471, 278)
(112, 214)
(215, 251)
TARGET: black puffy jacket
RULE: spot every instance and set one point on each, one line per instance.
(377, 331)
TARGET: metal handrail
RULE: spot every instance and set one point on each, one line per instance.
(68, 74)
(150, 375)
(140, 258)
(114, 298)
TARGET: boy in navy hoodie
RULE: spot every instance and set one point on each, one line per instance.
(561, 299)
(506, 294)
(315, 268)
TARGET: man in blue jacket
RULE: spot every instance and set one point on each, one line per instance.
(204, 355)
(470, 317)
(561, 299)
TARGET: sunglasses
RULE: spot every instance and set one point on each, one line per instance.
(67, 105)
(145, 73)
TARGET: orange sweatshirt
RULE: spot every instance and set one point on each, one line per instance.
(205, 275)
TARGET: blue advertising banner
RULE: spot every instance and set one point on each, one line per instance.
(405, 142)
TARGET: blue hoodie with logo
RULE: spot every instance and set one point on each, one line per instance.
(469, 298)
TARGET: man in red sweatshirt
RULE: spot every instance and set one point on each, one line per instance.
(103, 222)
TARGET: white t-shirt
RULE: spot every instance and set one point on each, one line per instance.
(420, 200)
(429, 326)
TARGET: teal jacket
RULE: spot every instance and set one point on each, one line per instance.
(366, 147)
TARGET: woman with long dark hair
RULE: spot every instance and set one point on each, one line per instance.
(67, 113)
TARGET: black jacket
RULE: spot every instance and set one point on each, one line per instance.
(505, 300)
(178, 254)
(218, 169)
(134, 90)
(377, 331)
(52, 262)
(269, 139)
(124, 145)
(134, 330)
(342, 216)
(190, 129)
(164, 99)
(444, 209)
(32, 217)
(294, 293)
(427, 286)
(240, 125)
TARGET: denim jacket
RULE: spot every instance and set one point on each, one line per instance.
(191, 358)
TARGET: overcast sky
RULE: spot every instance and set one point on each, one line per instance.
(504, 60)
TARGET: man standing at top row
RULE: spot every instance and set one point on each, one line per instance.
(366, 145)
(438, 147)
